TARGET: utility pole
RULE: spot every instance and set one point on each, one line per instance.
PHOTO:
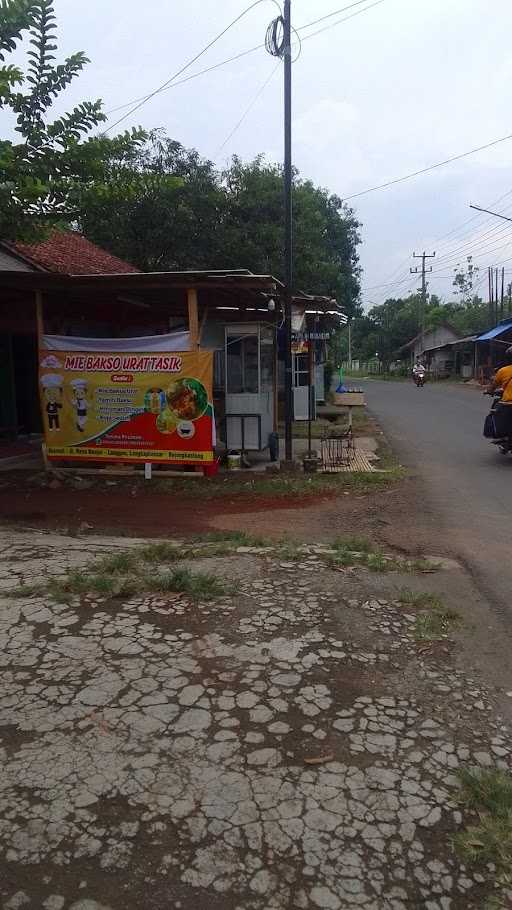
(416, 271)
(288, 229)
(350, 344)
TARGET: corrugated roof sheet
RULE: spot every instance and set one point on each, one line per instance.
(500, 329)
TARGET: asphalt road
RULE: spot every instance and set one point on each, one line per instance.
(437, 432)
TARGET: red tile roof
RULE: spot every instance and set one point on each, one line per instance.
(71, 253)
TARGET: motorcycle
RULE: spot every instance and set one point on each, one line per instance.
(419, 379)
(492, 425)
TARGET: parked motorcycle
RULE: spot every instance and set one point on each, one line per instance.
(493, 428)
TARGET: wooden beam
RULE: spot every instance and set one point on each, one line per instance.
(193, 318)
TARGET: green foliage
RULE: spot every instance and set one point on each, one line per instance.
(488, 793)
(40, 173)
(16, 16)
(395, 322)
(167, 208)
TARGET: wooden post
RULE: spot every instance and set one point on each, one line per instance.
(40, 333)
(39, 317)
(193, 318)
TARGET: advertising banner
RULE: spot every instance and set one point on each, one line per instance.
(137, 407)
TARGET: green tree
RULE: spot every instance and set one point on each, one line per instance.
(39, 173)
(464, 280)
(325, 231)
(168, 208)
(161, 208)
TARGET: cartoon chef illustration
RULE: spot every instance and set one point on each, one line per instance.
(52, 385)
(80, 402)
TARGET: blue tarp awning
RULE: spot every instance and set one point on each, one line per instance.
(500, 329)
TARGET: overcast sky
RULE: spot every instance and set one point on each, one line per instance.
(394, 89)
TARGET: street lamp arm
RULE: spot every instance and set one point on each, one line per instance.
(488, 212)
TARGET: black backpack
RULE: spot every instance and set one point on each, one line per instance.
(490, 429)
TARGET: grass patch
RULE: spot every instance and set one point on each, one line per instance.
(88, 582)
(434, 625)
(423, 600)
(198, 585)
(235, 538)
(24, 590)
(488, 793)
(359, 551)
(434, 621)
(118, 563)
(282, 485)
(354, 544)
(162, 551)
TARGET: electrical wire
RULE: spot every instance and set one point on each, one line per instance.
(440, 242)
(274, 38)
(174, 81)
(327, 28)
(190, 62)
(334, 13)
(425, 170)
(248, 109)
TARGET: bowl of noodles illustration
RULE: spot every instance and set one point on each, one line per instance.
(187, 400)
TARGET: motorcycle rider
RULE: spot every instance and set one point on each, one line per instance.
(503, 380)
(418, 370)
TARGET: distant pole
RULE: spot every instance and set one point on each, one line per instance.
(350, 344)
(491, 285)
(496, 296)
(288, 229)
(423, 301)
(502, 296)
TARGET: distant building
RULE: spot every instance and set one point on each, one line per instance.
(434, 348)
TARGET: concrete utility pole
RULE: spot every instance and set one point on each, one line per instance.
(288, 229)
(416, 271)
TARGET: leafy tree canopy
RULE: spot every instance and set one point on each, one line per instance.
(168, 208)
(50, 159)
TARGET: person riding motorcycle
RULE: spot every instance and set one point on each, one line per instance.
(418, 371)
(503, 380)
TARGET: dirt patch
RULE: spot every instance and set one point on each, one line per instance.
(133, 511)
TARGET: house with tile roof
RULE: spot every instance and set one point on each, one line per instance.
(62, 252)
(65, 252)
(66, 291)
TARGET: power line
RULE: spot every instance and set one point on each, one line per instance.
(190, 62)
(395, 278)
(174, 81)
(339, 21)
(208, 69)
(425, 170)
(263, 87)
(248, 108)
(334, 13)
(475, 242)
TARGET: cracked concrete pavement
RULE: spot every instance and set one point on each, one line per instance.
(285, 746)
